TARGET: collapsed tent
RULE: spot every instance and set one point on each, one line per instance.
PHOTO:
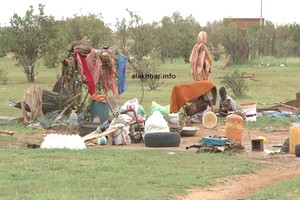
(85, 67)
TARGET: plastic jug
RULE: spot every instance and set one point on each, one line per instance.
(294, 138)
(234, 128)
(73, 119)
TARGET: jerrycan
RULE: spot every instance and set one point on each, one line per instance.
(294, 138)
(234, 128)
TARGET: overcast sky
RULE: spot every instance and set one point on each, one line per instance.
(277, 11)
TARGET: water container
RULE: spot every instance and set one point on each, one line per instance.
(102, 140)
(234, 128)
(173, 118)
(99, 109)
(118, 137)
(294, 138)
(73, 119)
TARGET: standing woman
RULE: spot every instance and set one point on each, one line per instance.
(200, 59)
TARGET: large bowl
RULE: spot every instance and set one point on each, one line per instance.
(189, 131)
(209, 119)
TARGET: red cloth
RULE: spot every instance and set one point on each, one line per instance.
(94, 64)
(187, 92)
(87, 73)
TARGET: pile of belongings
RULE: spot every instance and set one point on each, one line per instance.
(216, 144)
(118, 131)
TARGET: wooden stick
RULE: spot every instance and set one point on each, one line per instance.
(287, 106)
(7, 132)
(227, 62)
(95, 134)
(60, 115)
(72, 98)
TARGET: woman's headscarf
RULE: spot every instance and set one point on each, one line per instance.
(202, 37)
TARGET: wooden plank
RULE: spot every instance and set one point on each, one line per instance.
(95, 134)
(6, 132)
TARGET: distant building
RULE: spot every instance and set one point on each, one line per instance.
(244, 23)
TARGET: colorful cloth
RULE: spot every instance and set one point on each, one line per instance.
(187, 92)
(108, 77)
(122, 87)
(85, 71)
(200, 59)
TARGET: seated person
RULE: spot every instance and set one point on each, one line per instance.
(227, 105)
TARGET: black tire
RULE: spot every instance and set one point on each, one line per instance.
(297, 150)
(162, 139)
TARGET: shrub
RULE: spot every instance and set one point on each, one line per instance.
(3, 77)
(236, 82)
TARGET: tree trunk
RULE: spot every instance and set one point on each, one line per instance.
(30, 74)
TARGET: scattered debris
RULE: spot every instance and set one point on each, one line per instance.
(208, 148)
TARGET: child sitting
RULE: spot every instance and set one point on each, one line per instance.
(226, 104)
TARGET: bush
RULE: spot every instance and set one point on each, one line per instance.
(236, 82)
(3, 77)
(2, 53)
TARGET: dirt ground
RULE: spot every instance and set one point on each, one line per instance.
(281, 166)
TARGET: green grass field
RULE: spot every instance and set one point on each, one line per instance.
(272, 84)
(111, 174)
(137, 174)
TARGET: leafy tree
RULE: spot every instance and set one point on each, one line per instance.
(186, 31)
(165, 39)
(295, 33)
(233, 41)
(214, 31)
(89, 26)
(55, 50)
(139, 41)
(284, 46)
(27, 38)
(2, 51)
(122, 35)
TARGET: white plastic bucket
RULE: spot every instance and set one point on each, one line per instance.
(250, 111)
(173, 118)
(118, 137)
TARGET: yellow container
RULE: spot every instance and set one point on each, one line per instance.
(294, 138)
(234, 128)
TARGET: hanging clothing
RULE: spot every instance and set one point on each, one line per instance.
(108, 77)
(122, 86)
(94, 65)
(85, 72)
